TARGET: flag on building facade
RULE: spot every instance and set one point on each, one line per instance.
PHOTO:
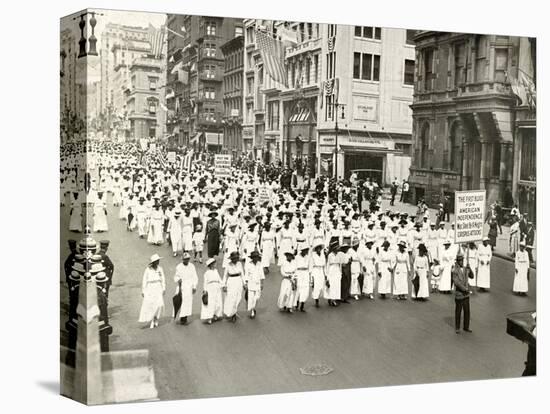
(186, 162)
(273, 56)
(156, 39)
(287, 36)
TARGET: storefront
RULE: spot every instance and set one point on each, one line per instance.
(371, 155)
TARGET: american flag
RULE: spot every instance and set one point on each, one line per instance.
(156, 39)
(273, 56)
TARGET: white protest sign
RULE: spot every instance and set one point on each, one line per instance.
(469, 215)
(153, 147)
(222, 166)
(143, 143)
(263, 195)
(171, 156)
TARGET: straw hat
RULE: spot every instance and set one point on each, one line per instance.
(154, 258)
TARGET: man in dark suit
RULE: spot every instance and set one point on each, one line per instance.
(460, 276)
(108, 264)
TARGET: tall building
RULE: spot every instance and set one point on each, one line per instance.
(463, 111)
(233, 80)
(369, 72)
(201, 74)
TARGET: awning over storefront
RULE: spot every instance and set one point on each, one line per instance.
(303, 115)
(357, 148)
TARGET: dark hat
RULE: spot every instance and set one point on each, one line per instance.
(255, 254)
(72, 243)
(234, 255)
(104, 243)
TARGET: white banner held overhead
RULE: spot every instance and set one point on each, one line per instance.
(469, 215)
(143, 144)
(222, 166)
(171, 156)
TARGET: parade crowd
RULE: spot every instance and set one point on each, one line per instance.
(325, 244)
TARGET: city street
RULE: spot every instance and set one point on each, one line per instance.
(366, 343)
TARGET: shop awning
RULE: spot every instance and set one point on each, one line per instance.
(358, 148)
(303, 115)
(213, 138)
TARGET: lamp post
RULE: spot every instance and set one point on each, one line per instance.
(336, 105)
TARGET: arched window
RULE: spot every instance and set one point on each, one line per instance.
(424, 145)
(455, 147)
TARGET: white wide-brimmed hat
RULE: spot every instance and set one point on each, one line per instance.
(154, 258)
(210, 261)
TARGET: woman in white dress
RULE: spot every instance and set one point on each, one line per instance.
(386, 263)
(368, 262)
(123, 210)
(233, 283)
(186, 281)
(514, 236)
(141, 213)
(401, 272)
(421, 287)
(317, 264)
(521, 277)
(472, 262)
(152, 291)
(100, 214)
(267, 246)
(230, 243)
(287, 242)
(302, 278)
(156, 228)
(334, 275)
(288, 284)
(485, 254)
(75, 222)
(447, 261)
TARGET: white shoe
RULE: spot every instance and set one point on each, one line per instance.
(152, 325)
(175, 254)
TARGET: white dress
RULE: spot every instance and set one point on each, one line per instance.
(100, 216)
(368, 261)
(317, 263)
(213, 285)
(233, 280)
(355, 272)
(75, 223)
(152, 287)
(302, 279)
(484, 270)
(447, 261)
(253, 276)
(521, 284)
(287, 293)
(386, 261)
(421, 265)
(174, 229)
(334, 276)
(401, 274)
(187, 274)
(155, 229)
(267, 247)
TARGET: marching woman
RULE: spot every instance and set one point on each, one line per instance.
(212, 290)
(250, 241)
(472, 263)
(123, 210)
(100, 214)
(485, 255)
(186, 280)
(155, 229)
(301, 238)
(302, 278)
(447, 261)
(233, 284)
(355, 289)
(421, 288)
(368, 262)
(317, 264)
(141, 218)
(253, 281)
(267, 246)
(401, 272)
(174, 230)
(288, 284)
(514, 236)
(317, 234)
(153, 286)
(334, 275)
(230, 243)
(386, 263)
(287, 243)
(75, 222)
(116, 189)
(521, 278)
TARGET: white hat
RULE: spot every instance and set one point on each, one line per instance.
(448, 241)
(210, 261)
(522, 243)
(486, 238)
(186, 255)
(154, 258)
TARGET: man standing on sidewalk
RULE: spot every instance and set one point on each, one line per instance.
(462, 293)
(394, 187)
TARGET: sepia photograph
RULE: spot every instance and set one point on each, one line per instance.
(251, 206)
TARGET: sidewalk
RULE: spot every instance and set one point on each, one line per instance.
(501, 249)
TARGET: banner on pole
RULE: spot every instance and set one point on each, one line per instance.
(171, 156)
(143, 143)
(469, 215)
(222, 166)
(263, 195)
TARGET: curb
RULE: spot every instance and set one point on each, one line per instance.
(511, 259)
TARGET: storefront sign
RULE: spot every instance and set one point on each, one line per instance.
(222, 165)
(470, 215)
(365, 109)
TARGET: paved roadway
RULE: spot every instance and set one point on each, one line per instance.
(367, 343)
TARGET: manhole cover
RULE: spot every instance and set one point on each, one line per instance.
(316, 370)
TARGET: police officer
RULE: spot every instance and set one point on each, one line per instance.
(72, 282)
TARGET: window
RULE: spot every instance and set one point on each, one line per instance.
(408, 78)
(460, 64)
(316, 68)
(378, 33)
(329, 108)
(501, 64)
(273, 115)
(152, 83)
(211, 28)
(428, 69)
(455, 142)
(209, 93)
(308, 71)
(424, 146)
(358, 31)
(331, 65)
(481, 58)
(528, 165)
(331, 30)
(152, 106)
(366, 66)
(368, 32)
(238, 31)
(210, 49)
(409, 37)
